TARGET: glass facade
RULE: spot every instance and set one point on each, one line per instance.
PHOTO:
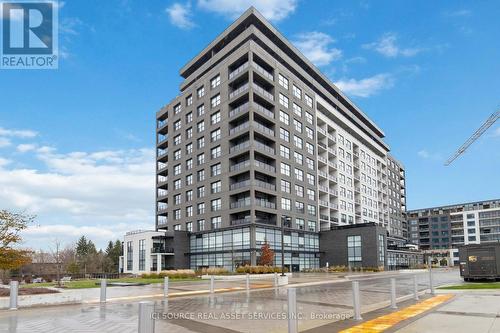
(354, 257)
(232, 248)
(142, 254)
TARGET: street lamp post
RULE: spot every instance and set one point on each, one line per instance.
(283, 220)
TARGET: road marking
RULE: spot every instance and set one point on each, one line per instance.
(382, 323)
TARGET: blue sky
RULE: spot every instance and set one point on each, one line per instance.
(77, 143)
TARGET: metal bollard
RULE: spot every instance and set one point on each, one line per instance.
(165, 286)
(103, 291)
(415, 287)
(393, 294)
(293, 323)
(431, 283)
(355, 300)
(248, 281)
(212, 284)
(275, 279)
(146, 320)
(14, 291)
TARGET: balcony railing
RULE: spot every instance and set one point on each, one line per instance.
(239, 90)
(262, 91)
(323, 203)
(238, 70)
(239, 147)
(242, 108)
(238, 185)
(245, 220)
(263, 128)
(262, 71)
(264, 147)
(162, 250)
(265, 166)
(322, 174)
(240, 127)
(323, 188)
(265, 203)
(322, 159)
(265, 185)
(239, 166)
(263, 110)
(241, 203)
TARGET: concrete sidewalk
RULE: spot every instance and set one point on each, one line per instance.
(469, 311)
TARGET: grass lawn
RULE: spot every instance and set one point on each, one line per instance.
(83, 284)
(490, 285)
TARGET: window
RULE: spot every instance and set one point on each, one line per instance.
(201, 191)
(310, 179)
(310, 133)
(177, 199)
(201, 110)
(177, 125)
(216, 205)
(189, 211)
(298, 142)
(311, 210)
(189, 100)
(142, 254)
(200, 143)
(189, 180)
(177, 108)
(286, 204)
(177, 170)
(311, 195)
(200, 175)
(177, 140)
(299, 174)
(309, 100)
(297, 92)
(177, 184)
(299, 223)
(200, 208)
(201, 158)
(354, 250)
(283, 100)
(283, 81)
(299, 207)
(177, 214)
(215, 135)
(284, 135)
(189, 148)
(284, 117)
(381, 249)
(285, 186)
(216, 152)
(309, 118)
(189, 117)
(177, 155)
(201, 126)
(310, 148)
(285, 169)
(310, 163)
(298, 157)
(201, 225)
(200, 92)
(189, 133)
(299, 191)
(177, 227)
(216, 222)
(130, 255)
(216, 187)
(189, 195)
(215, 81)
(311, 225)
(297, 110)
(189, 226)
(215, 170)
(215, 101)
(284, 152)
(215, 118)
(298, 125)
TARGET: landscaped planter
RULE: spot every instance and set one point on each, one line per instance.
(244, 276)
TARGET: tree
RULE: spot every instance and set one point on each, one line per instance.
(267, 255)
(11, 225)
(113, 253)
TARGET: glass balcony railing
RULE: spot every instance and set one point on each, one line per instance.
(239, 147)
(238, 70)
(263, 110)
(240, 109)
(262, 91)
(239, 166)
(262, 71)
(240, 127)
(264, 147)
(265, 166)
(239, 90)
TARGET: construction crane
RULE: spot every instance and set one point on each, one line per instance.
(490, 121)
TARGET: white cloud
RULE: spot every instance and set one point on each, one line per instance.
(496, 133)
(4, 142)
(25, 147)
(100, 192)
(274, 10)
(17, 133)
(180, 15)
(366, 87)
(458, 13)
(426, 155)
(387, 46)
(316, 47)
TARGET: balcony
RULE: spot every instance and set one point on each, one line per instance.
(238, 71)
(321, 131)
(241, 203)
(162, 249)
(240, 147)
(262, 91)
(245, 220)
(265, 185)
(333, 179)
(322, 159)
(239, 185)
(240, 109)
(265, 166)
(323, 188)
(322, 145)
(265, 204)
(239, 166)
(239, 128)
(263, 110)
(322, 174)
(239, 90)
(263, 129)
(264, 147)
(334, 206)
(262, 71)
(323, 203)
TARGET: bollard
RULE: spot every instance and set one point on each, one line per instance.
(293, 324)
(14, 290)
(393, 294)
(415, 287)
(165, 286)
(275, 279)
(103, 291)
(355, 300)
(248, 281)
(212, 284)
(431, 283)
(146, 320)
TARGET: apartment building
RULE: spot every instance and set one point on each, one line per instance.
(259, 141)
(441, 230)
(396, 183)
